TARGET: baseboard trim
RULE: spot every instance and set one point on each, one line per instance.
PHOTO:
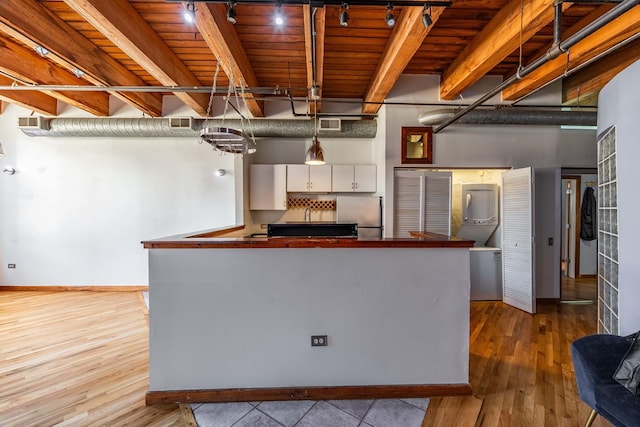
(306, 393)
(76, 288)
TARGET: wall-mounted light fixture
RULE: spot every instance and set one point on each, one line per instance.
(190, 12)
(390, 18)
(220, 172)
(9, 170)
(344, 15)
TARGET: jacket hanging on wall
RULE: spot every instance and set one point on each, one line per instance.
(589, 215)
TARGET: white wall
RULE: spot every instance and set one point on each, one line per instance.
(77, 208)
(619, 103)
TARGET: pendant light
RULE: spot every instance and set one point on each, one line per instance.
(315, 153)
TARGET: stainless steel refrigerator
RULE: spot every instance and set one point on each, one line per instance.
(365, 211)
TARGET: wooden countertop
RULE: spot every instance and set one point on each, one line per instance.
(217, 238)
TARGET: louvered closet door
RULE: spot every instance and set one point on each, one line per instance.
(437, 203)
(408, 198)
(422, 202)
(518, 282)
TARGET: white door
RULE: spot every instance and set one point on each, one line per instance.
(320, 178)
(518, 280)
(342, 177)
(365, 177)
(298, 178)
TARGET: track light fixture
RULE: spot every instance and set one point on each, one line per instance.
(77, 72)
(190, 12)
(426, 17)
(231, 12)
(279, 17)
(42, 51)
(391, 20)
(344, 15)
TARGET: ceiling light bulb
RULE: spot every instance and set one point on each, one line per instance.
(391, 20)
(190, 13)
(344, 15)
(279, 19)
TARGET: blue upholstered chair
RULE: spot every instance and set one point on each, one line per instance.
(595, 359)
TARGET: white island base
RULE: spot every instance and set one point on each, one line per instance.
(236, 324)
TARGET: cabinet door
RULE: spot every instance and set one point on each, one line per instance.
(268, 187)
(298, 178)
(342, 176)
(320, 178)
(365, 178)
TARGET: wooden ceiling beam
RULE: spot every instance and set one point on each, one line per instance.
(36, 101)
(405, 39)
(32, 24)
(495, 42)
(25, 65)
(597, 43)
(586, 83)
(320, 23)
(124, 26)
(224, 42)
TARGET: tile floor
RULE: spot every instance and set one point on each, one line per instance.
(310, 413)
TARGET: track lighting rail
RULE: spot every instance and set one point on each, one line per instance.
(320, 3)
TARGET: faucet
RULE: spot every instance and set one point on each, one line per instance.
(307, 211)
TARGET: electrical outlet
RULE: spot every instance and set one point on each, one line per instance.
(263, 226)
(11, 266)
(318, 340)
(550, 241)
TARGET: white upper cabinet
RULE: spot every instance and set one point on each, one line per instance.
(309, 179)
(268, 187)
(354, 178)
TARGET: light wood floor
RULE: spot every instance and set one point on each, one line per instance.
(579, 288)
(80, 358)
(76, 358)
(520, 369)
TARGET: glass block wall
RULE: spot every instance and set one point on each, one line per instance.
(607, 234)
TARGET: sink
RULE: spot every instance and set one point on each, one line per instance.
(312, 229)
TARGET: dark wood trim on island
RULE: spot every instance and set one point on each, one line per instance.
(307, 393)
(217, 239)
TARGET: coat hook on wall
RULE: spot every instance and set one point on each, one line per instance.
(9, 170)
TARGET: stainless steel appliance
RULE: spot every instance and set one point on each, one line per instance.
(365, 211)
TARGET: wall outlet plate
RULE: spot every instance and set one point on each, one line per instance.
(11, 266)
(318, 340)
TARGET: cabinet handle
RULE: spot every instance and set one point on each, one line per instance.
(357, 185)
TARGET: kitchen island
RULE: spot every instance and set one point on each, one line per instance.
(232, 318)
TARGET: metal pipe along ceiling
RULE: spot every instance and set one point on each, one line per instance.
(162, 127)
(511, 116)
(552, 53)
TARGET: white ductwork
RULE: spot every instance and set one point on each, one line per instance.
(511, 116)
(188, 127)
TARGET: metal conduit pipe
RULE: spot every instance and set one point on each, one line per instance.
(162, 127)
(510, 116)
(552, 53)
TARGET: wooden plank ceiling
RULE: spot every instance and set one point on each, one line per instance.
(125, 44)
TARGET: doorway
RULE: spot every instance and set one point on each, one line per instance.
(578, 263)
